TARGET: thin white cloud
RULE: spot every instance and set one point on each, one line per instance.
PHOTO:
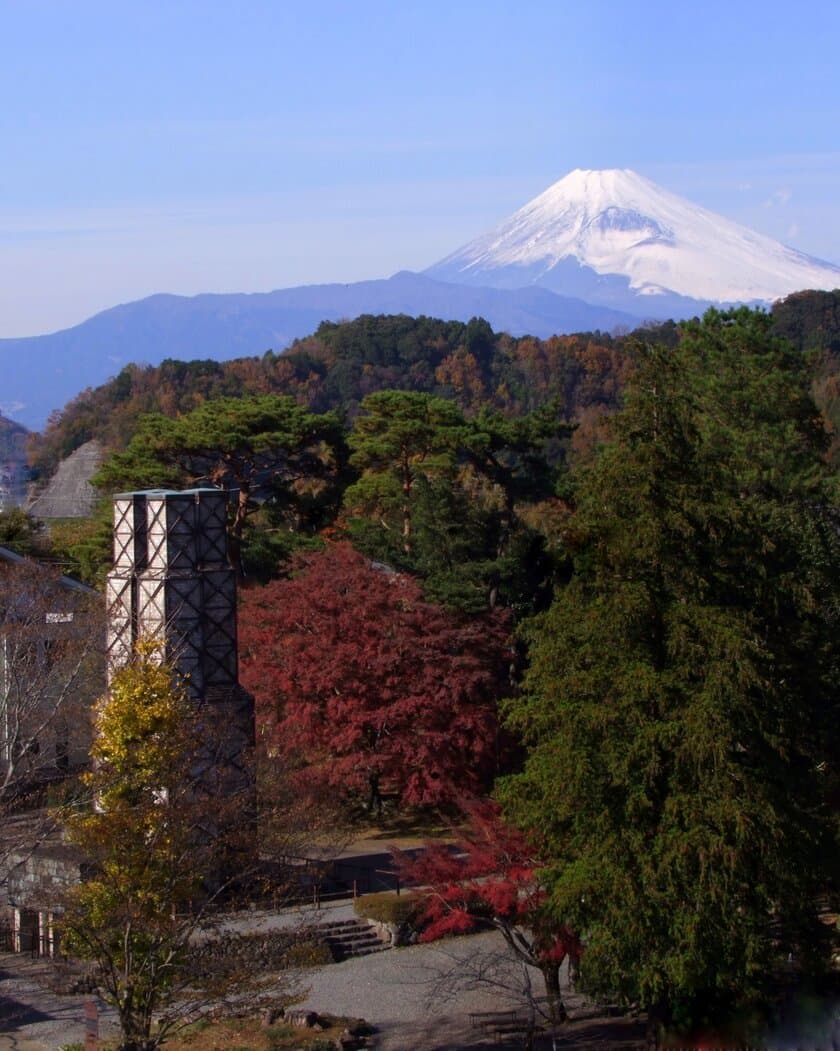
(779, 198)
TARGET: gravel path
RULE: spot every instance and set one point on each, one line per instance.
(420, 997)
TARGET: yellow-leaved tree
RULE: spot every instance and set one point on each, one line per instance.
(160, 850)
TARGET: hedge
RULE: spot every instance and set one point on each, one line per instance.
(388, 907)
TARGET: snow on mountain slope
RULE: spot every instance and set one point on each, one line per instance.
(616, 222)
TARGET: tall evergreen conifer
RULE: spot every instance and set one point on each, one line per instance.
(682, 688)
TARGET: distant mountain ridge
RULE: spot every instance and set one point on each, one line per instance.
(42, 373)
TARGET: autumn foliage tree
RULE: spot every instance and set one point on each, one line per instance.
(166, 844)
(378, 690)
(132, 916)
(490, 879)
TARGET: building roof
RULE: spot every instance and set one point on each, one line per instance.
(13, 558)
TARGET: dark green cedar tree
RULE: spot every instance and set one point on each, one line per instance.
(682, 689)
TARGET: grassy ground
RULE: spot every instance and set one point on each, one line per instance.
(406, 829)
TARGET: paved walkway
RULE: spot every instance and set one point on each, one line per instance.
(419, 998)
(34, 1019)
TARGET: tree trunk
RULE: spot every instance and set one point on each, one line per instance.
(406, 506)
(493, 589)
(574, 969)
(237, 528)
(374, 795)
(551, 976)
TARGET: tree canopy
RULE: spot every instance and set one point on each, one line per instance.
(398, 437)
(444, 497)
(676, 711)
(132, 917)
(167, 840)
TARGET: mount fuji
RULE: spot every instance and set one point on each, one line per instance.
(614, 238)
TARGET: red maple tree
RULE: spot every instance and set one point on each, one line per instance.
(490, 879)
(375, 689)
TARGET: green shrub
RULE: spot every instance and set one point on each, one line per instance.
(388, 907)
(308, 953)
(279, 1035)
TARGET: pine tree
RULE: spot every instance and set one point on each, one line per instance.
(266, 449)
(401, 436)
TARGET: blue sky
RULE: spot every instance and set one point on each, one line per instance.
(187, 147)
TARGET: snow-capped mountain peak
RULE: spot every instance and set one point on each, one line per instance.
(621, 229)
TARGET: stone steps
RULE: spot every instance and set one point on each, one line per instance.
(348, 938)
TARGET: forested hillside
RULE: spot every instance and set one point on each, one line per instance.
(503, 482)
(341, 363)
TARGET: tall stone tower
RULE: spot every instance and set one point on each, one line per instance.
(172, 581)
